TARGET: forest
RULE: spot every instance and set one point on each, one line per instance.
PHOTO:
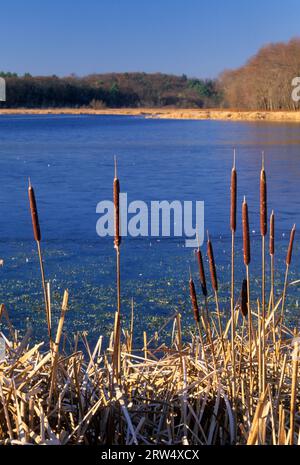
(109, 90)
(263, 83)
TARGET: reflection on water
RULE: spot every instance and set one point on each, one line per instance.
(70, 162)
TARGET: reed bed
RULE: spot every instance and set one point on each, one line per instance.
(234, 380)
(175, 394)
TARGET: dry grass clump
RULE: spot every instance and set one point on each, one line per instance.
(179, 394)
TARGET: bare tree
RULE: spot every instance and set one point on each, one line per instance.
(264, 82)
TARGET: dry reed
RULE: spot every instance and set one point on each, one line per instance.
(170, 399)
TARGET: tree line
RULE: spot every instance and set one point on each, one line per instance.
(109, 90)
(263, 83)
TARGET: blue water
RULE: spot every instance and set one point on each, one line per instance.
(70, 162)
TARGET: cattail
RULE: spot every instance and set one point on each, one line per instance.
(263, 201)
(194, 300)
(246, 237)
(34, 214)
(212, 265)
(272, 234)
(37, 237)
(233, 190)
(244, 298)
(116, 190)
(290, 249)
(201, 272)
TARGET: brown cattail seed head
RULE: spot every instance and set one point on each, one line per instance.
(233, 190)
(246, 236)
(291, 243)
(212, 266)
(272, 234)
(194, 300)
(263, 203)
(201, 272)
(34, 214)
(117, 212)
(244, 298)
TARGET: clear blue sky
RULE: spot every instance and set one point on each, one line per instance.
(196, 37)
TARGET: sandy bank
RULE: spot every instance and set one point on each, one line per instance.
(167, 113)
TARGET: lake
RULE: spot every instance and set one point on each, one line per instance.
(69, 160)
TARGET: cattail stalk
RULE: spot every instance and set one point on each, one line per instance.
(196, 312)
(204, 292)
(263, 232)
(37, 238)
(244, 298)
(290, 248)
(117, 242)
(261, 350)
(246, 234)
(263, 200)
(233, 196)
(214, 282)
(247, 259)
(49, 297)
(202, 278)
(201, 272)
(241, 349)
(259, 324)
(203, 287)
(295, 365)
(272, 257)
(272, 253)
(288, 262)
(194, 300)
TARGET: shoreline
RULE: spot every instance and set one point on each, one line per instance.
(167, 113)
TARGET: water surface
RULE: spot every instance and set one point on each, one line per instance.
(70, 162)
